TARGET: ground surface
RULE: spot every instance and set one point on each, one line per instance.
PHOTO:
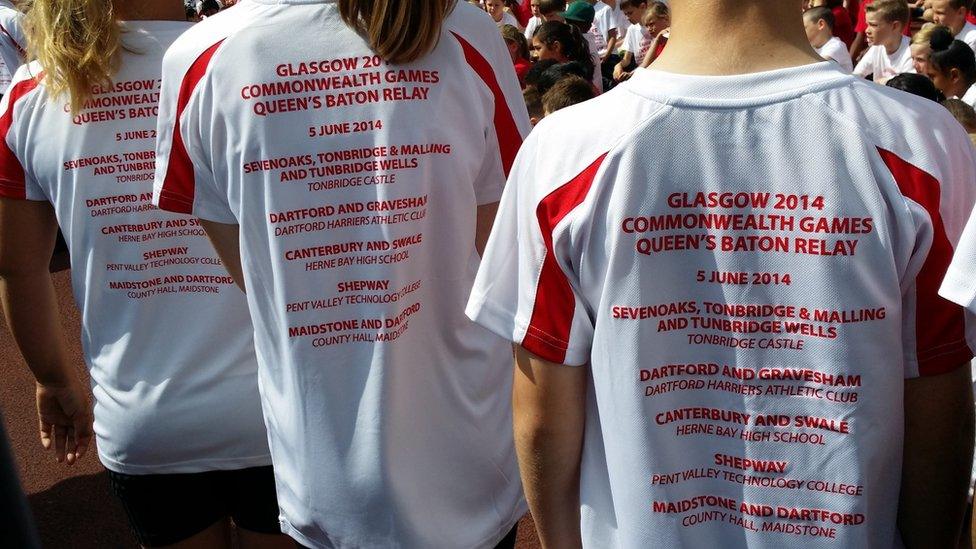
(73, 507)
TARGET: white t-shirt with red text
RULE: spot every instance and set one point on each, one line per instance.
(638, 41)
(604, 21)
(356, 184)
(165, 331)
(750, 314)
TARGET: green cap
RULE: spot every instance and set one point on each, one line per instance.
(580, 10)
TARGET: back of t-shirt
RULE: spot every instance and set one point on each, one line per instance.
(165, 331)
(750, 270)
(13, 44)
(356, 184)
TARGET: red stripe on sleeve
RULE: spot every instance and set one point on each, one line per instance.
(13, 183)
(552, 315)
(509, 137)
(940, 325)
(179, 185)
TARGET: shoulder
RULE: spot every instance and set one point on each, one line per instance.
(916, 129)
(567, 141)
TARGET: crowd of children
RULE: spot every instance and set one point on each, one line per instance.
(877, 40)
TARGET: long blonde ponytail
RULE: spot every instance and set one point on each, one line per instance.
(77, 43)
(399, 31)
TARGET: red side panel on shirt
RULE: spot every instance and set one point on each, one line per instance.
(940, 325)
(12, 180)
(179, 185)
(552, 315)
(509, 138)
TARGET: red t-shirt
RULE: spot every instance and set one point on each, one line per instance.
(862, 19)
(522, 11)
(661, 43)
(843, 26)
(521, 68)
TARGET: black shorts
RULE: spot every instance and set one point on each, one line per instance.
(166, 509)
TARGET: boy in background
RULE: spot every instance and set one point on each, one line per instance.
(819, 25)
(550, 10)
(890, 52)
(582, 15)
(637, 40)
(534, 21)
(567, 92)
(953, 14)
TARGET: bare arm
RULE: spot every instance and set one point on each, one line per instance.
(226, 239)
(486, 219)
(27, 234)
(620, 70)
(938, 457)
(549, 413)
(611, 44)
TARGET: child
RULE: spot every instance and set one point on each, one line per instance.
(921, 49)
(889, 53)
(496, 9)
(952, 14)
(657, 21)
(606, 264)
(819, 24)
(533, 104)
(582, 16)
(952, 66)
(550, 10)
(518, 48)
(637, 40)
(534, 21)
(569, 91)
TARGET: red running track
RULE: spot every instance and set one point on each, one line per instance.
(73, 506)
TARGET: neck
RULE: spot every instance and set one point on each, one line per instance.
(727, 37)
(150, 10)
(820, 40)
(892, 45)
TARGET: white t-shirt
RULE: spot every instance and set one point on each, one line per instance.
(356, 186)
(591, 43)
(508, 19)
(968, 35)
(835, 50)
(877, 63)
(621, 23)
(13, 44)
(970, 96)
(530, 28)
(766, 372)
(603, 22)
(165, 331)
(638, 41)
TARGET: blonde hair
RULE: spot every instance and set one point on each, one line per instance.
(77, 43)
(924, 35)
(399, 31)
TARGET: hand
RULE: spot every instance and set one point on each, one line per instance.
(624, 76)
(65, 418)
(618, 72)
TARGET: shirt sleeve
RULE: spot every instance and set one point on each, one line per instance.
(865, 67)
(527, 289)
(15, 181)
(935, 330)
(185, 181)
(509, 122)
